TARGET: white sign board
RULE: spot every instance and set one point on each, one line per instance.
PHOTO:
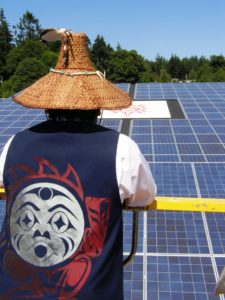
(140, 110)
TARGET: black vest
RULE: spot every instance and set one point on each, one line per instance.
(62, 235)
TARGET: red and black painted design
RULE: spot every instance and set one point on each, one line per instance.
(51, 248)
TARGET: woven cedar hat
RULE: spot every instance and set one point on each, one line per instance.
(74, 83)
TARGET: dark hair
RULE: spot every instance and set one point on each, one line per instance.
(72, 115)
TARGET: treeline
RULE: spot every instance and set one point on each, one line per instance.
(24, 59)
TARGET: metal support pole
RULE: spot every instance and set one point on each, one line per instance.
(133, 250)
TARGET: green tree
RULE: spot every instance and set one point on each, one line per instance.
(176, 68)
(186, 68)
(5, 44)
(204, 73)
(148, 75)
(193, 65)
(101, 54)
(159, 63)
(219, 75)
(126, 66)
(27, 72)
(29, 48)
(217, 62)
(164, 76)
(118, 47)
(192, 75)
(49, 58)
(28, 28)
(53, 46)
(7, 88)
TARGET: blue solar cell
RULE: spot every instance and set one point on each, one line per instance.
(145, 148)
(10, 131)
(141, 122)
(141, 97)
(4, 125)
(185, 139)
(20, 124)
(215, 158)
(177, 122)
(216, 225)
(2, 212)
(219, 101)
(195, 116)
(213, 149)
(33, 112)
(209, 109)
(211, 179)
(123, 86)
(193, 110)
(165, 149)
(199, 122)
(133, 279)
(220, 129)
(127, 227)
(182, 130)
(163, 139)
(4, 138)
(189, 149)
(192, 158)
(141, 130)
(214, 116)
(174, 179)
(141, 138)
(113, 124)
(176, 232)
(208, 138)
(220, 263)
(148, 157)
(222, 137)
(187, 278)
(169, 96)
(166, 158)
(160, 123)
(8, 118)
(162, 130)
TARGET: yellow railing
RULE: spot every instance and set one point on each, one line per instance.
(176, 203)
(184, 204)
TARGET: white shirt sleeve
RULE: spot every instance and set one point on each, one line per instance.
(3, 158)
(135, 181)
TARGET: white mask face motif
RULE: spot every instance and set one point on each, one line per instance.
(46, 224)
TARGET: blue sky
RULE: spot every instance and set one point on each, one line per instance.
(164, 27)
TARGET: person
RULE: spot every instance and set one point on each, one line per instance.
(66, 180)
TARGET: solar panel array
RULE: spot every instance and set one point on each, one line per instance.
(180, 254)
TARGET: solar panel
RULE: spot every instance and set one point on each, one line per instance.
(185, 139)
(180, 254)
(174, 179)
(183, 277)
(195, 171)
(211, 179)
(127, 226)
(176, 232)
(2, 212)
(133, 279)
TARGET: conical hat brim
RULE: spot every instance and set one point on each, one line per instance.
(60, 91)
